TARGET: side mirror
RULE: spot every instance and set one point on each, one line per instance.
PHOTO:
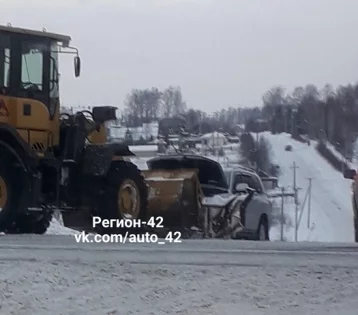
(242, 187)
(349, 173)
(77, 64)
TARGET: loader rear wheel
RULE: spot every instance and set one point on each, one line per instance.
(6, 199)
(3, 193)
(125, 196)
(10, 189)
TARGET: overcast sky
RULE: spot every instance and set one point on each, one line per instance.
(221, 52)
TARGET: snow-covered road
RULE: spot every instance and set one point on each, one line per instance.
(331, 207)
(55, 275)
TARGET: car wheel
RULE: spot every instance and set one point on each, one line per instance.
(262, 233)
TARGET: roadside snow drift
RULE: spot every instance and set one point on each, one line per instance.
(331, 209)
(56, 228)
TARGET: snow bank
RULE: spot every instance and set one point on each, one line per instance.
(339, 155)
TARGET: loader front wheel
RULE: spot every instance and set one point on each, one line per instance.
(129, 200)
(3, 193)
(125, 196)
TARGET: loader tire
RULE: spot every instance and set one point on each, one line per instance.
(10, 189)
(125, 197)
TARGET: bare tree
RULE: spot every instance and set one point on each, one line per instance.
(142, 106)
(173, 103)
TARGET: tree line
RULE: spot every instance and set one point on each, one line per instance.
(327, 115)
(144, 106)
(152, 104)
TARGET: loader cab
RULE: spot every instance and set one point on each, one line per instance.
(29, 81)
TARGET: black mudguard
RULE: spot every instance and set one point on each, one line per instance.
(97, 158)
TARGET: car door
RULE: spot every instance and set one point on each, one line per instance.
(250, 220)
(264, 203)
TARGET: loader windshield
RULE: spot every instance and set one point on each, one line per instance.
(32, 66)
(38, 76)
(36, 58)
(29, 68)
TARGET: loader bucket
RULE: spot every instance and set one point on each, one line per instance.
(174, 195)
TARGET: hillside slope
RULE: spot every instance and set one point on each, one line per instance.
(331, 212)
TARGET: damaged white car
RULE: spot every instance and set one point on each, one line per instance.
(222, 206)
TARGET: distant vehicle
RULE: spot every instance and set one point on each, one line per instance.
(352, 174)
(257, 217)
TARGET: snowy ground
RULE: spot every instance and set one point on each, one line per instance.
(54, 275)
(331, 212)
(340, 156)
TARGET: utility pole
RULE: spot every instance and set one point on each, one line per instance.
(292, 128)
(309, 203)
(282, 205)
(295, 189)
(257, 149)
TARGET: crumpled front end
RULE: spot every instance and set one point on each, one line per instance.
(224, 215)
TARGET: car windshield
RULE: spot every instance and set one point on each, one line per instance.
(228, 176)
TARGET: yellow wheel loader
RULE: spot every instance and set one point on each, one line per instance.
(51, 161)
